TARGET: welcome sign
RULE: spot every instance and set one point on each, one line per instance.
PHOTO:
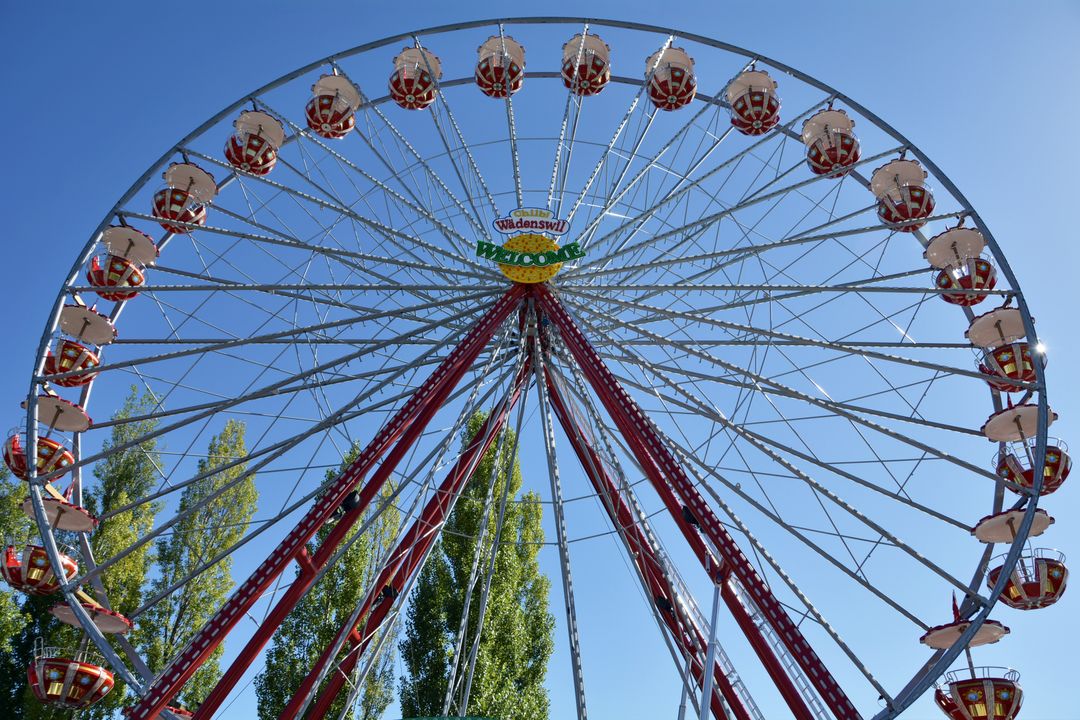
(531, 254)
(503, 256)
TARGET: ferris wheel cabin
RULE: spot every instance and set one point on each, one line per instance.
(500, 67)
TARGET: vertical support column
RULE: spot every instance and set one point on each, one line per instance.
(649, 568)
(674, 487)
(408, 420)
(710, 654)
(560, 524)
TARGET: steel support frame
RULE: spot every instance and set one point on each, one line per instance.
(405, 427)
(688, 637)
(942, 660)
(404, 561)
(678, 492)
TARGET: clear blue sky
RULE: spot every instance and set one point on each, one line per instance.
(988, 90)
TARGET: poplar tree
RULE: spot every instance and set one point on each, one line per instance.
(121, 477)
(516, 640)
(14, 526)
(198, 537)
(316, 619)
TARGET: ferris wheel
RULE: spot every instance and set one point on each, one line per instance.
(754, 341)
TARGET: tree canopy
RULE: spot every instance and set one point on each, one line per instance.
(204, 531)
(14, 526)
(121, 477)
(316, 619)
(516, 641)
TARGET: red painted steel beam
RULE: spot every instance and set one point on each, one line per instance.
(644, 558)
(668, 478)
(403, 562)
(796, 703)
(721, 574)
(410, 419)
(310, 565)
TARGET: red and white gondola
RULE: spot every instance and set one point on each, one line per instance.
(755, 106)
(500, 66)
(985, 693)
(27, 569)
(415, 80)
(904, 200)
(831, 146)
(586, 64)
(183, 201)
(1038, 579)
(331, 112)
(1004, 356)
(253, 147)
(961, 270)
(671, 80)
(72, 680)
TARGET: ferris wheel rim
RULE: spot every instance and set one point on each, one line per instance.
(946, 659)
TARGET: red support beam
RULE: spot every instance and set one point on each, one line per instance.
(310, 565)
(671, 482)
(685, 633)
(409, 422)
(403, 562)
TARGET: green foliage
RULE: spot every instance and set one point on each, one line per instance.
(316, 619)
(121, 478)
(516, 642)
(201, 534)
(42, 624)
(14, 525)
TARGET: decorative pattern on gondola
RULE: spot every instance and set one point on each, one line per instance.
(755, 106)
(116, 278)
(1014, 465)
(1038, 580)
(27, 569)
(67, 680)
(500, 67)
(414, 82)
(670, 74)
(70, 356)
(586, 66)
(1008, 362)
(51, 455)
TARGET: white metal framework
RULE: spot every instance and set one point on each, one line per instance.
(787, 348)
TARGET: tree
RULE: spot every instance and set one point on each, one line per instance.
(121, 477)
(199, 536)
(516, 641)
(315, 620)
(14, 525)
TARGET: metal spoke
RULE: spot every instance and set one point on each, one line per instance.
(639, 220)
(560, 522)
(652, 314)
(716, 416)
(743, 316)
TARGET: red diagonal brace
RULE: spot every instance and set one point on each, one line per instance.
(410, 420)
(645, 559)
(403, 562)
(662, 468)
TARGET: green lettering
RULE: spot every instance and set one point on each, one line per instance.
(491, 251)
(573, 251)
(486, 250)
